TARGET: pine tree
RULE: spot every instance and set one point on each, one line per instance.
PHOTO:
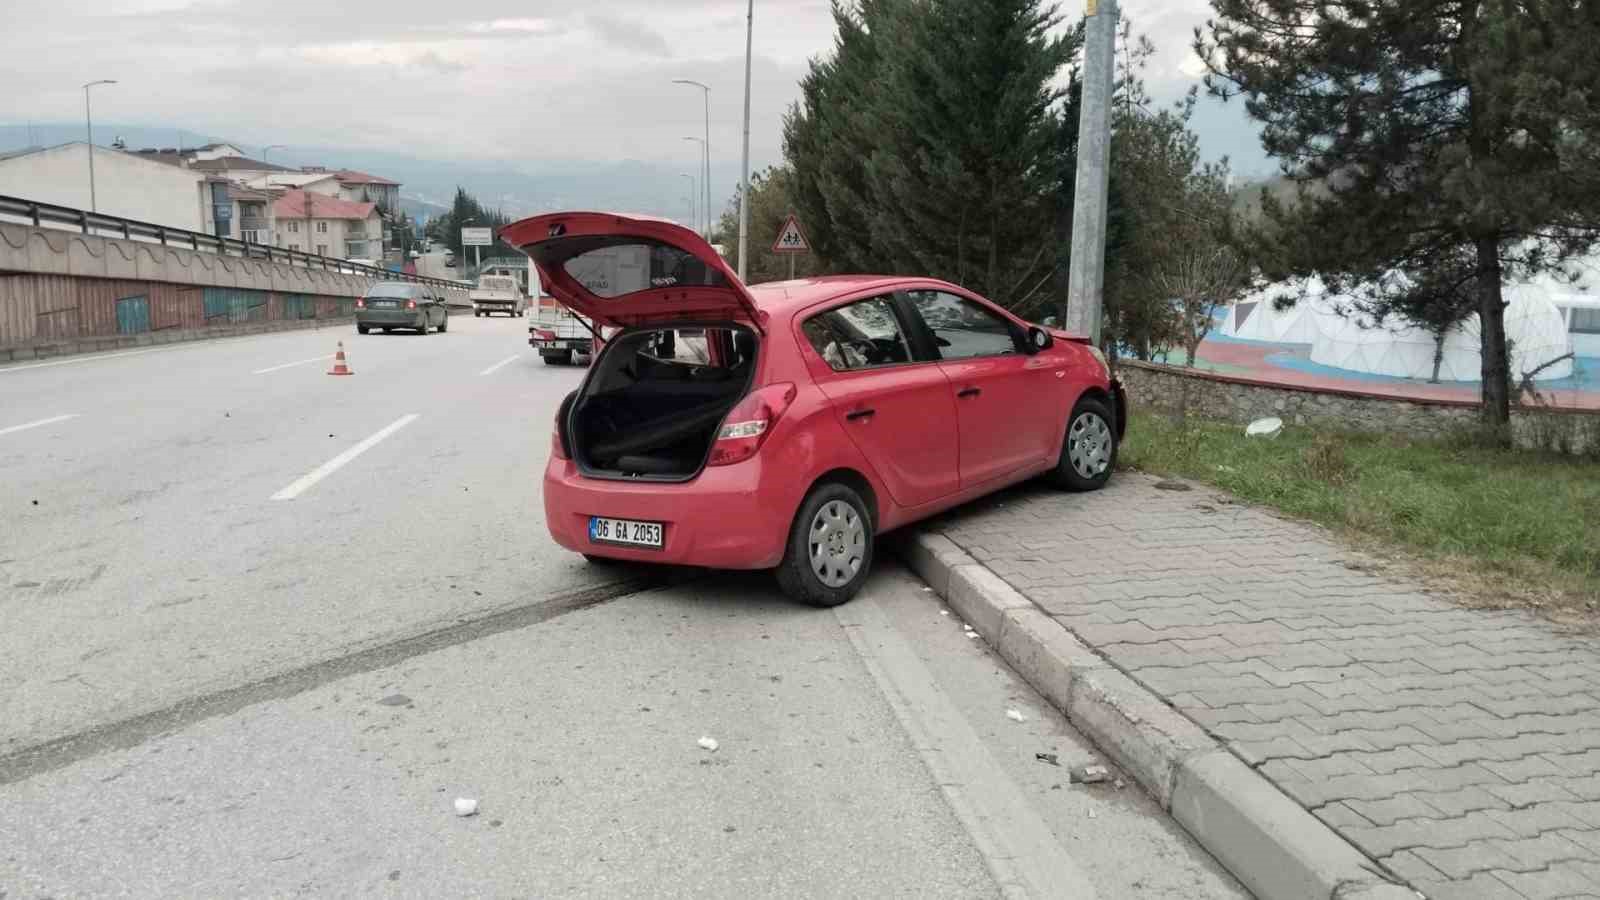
(1450, 140)
(931, 142)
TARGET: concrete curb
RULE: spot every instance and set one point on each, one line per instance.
(1272, 844)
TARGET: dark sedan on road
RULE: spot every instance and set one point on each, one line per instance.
(398, 304)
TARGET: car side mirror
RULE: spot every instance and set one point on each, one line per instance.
(1039, 339)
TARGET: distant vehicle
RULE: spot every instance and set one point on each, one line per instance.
(450, 258)
(558, 333)
(786, 426)
(498, 293)
(399, 304)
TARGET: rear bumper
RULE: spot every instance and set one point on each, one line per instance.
(724, 519)
(387, 319)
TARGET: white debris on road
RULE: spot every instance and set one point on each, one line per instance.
(466, 806)
(1016, 715)
(708, 743)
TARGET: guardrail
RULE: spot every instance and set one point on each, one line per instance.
(42, 214)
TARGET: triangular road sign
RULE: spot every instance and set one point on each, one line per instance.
(790, 238)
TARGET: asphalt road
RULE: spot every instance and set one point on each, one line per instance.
(264, 625)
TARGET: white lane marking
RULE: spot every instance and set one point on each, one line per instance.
(288, 365)
(82, 359)
(1017, 845)
(496, 367)
(339, 462)
(27, 425)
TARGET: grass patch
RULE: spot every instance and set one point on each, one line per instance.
(1502, 527)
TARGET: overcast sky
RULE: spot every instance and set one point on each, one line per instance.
(521, 81)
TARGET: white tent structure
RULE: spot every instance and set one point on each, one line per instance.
(1535, 325)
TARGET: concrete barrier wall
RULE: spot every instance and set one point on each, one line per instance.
(60, 288)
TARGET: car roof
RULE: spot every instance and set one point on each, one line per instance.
(788, 297)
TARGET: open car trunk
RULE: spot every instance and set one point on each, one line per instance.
(656, 398)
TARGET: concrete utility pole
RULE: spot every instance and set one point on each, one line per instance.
(744, 167)
(1086, 278)
(88, 126)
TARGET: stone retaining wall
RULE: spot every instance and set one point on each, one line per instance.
(1211, 396)
(156, 338)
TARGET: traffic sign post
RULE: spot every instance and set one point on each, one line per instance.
(791, 240)
(477, 238)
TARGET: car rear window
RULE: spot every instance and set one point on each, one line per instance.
(398, 291)
(612, 266)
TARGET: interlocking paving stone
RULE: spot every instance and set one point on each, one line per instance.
(1460, 748)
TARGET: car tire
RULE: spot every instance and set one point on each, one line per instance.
(1089, 450)
(549, 360)
(829, 553)
(388, 331)
(444, 324)
(361, 329)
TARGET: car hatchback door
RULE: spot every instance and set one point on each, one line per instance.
(1001, 393)
(898, 411)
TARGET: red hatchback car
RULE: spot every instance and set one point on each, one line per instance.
(784, 426)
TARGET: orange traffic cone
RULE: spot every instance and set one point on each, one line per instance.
(339, 365)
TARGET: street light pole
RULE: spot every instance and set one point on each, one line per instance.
(88, 125)
(705, 182)
(706, 231)
(744, 166)
(693, 193)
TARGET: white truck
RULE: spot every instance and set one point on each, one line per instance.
(558, 333)
(497, 293)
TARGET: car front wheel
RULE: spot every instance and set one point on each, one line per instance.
(830, 547)
(1089, 452)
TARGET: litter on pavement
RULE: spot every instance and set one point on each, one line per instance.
(708, 743)
(1016, 715)
(466, 806)
(1090, 774)
(1050, 758)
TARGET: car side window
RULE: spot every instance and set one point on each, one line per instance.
(859, 336)
(963, 329)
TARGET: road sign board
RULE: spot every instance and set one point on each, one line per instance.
(790, 238)
(477, 237)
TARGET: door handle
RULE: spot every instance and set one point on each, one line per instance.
(969, 392)
(860, 414)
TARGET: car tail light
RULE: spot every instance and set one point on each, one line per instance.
(411, 304)
(360, 303)
(556, 450)
(544, 335)
(749, 423)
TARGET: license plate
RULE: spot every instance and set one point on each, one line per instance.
(626, 532)
(383, 304)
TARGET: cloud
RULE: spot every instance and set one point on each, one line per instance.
(628, 35)
(527, 82)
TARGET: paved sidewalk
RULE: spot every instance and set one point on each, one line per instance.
(1459, 748)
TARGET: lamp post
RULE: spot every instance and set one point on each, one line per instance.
(705, 182)
(744, 165)
(693, 195)
(88, 123)
(706, 231)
